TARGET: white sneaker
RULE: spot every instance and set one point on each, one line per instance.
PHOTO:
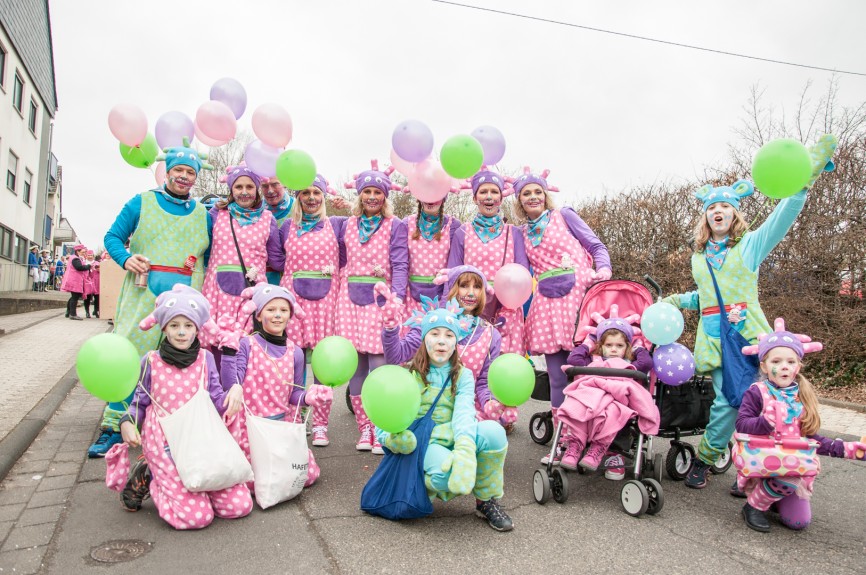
(614, 468)
(557, 457)
(320, 436)
(377, 447)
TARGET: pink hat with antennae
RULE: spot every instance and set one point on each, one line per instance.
(374, 178)
(800, 343)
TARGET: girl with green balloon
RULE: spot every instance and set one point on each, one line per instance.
(462, 455)
(728, 254)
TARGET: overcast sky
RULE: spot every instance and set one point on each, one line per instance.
(602, 112)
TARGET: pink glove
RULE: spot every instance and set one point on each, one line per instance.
(493, 409)
(771, 413)
(589, 342)
(392, 310)
(509, 415)
(230, 333)
(319, 395)
(855, 450)
(601, 275)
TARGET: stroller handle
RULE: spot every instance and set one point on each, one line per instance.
(638, 376)
(654, 285)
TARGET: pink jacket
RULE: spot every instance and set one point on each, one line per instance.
(615, 400)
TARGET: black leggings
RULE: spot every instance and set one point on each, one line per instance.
(92, 299)
(72, 304)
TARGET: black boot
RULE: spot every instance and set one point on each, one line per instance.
(755, 519)
(87, 309)
(34, 286)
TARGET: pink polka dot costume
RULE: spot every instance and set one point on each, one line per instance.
(426, 258)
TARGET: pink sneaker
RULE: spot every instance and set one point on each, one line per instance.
(377, 447)
(320, 436)
(593, 457)
(557, 456)
(365, 442)
(614, 468)
(572, 454)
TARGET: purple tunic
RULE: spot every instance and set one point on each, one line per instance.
(233, 368)
(587, 238)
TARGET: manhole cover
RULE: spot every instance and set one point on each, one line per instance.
(120, 550)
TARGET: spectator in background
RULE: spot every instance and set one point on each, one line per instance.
(33, 266)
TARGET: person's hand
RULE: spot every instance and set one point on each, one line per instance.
(137, 264)
(509, 415)
(319, 395)
(855, 450)
(129, 433)
(230, 334)
(493, 409)
(601, 275)
(463, 465)
(252, 274)
(234, 401)
(378, 271)
(589, 342)
(771, 414)
(340, 203)
(392, 309)
(404, 442)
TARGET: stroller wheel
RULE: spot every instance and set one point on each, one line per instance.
(541, 427)
(657, 467)
(656, 496)
(541, 486)
(349, 402)
(679, 460)
(723, 463)
(634, 498)
(559, 481)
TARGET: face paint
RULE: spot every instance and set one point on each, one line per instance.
(183, 183)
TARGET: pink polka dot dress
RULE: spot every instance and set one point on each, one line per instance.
(171, 388)
(489, 258)
(224, 280)
(306, 256)
(472, 355)
(426, 259)
(358, 317)
(550, 322)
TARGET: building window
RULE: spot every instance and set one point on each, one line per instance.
(32, 119)
(18, 93)
(28, 181)
(2, 66)
(12, 171)
(6, 242)
(21, 249)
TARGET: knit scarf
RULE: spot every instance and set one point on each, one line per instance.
(245, 216)
(180, 358)
(428, 225)
(790, 396)
(487, 227)
(535, 228)
(716, 252)
(308, 222)
(367, 227)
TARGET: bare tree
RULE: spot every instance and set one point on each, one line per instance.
(220, 158)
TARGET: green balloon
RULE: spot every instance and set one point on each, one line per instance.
(511, 379)
(296, 169)
(461, 156)
(391, 397)
(782, 168)
(334, 361)
(108, 366)
(142, 155)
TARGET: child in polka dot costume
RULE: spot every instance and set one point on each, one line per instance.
(265, 371)
(488, 244)
(312, 263)
(170, 377)
(783, 405)
(561, 249)
(463, 455)
(258, 239)
(723, 240)
(372, 249)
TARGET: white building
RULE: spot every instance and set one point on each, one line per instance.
(28, 102)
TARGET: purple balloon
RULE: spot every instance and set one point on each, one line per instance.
(230, 92)
(674, 364)
(412, 140)
(492, 143)
(172, 128)
(262, 159)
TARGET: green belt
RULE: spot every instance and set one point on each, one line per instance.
(365, 279)
(421, 279)
(309, 275)
(229, 268)
(555, 272)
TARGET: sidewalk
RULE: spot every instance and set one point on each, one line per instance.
(9, 324)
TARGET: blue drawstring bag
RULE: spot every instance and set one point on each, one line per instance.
(396, 490)
(738, 371)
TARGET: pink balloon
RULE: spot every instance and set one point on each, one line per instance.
(216, 121)
(273, 125)
(159, 174)
(401, 165)
(262, 159)
(128, 124)
(428, 181)
(512, 285)
(204, 139)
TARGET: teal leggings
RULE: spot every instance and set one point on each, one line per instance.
(720, 428)
(490, 436)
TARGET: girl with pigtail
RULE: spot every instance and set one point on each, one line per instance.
(372, 249)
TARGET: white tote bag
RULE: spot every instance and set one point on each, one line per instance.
(280, 457)
(206, 455)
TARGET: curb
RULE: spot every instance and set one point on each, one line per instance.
(16, 443)
(843, 404)
(23, 327)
